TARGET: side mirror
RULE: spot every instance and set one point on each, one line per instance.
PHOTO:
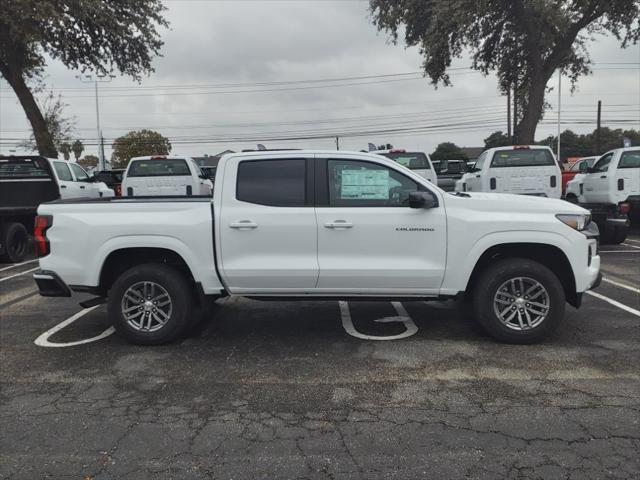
(422, 200)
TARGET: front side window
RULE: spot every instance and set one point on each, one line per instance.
(63, 172)
(355, 183)
(602, 165)
(630, 160)
(522, 158)
(414, 161)
(78, 171)
(159, 167)
(276, 183)
(480, 162)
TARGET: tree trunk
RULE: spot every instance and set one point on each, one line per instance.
(532, 110)
(43, 138)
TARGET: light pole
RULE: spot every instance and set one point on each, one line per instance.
(95, 80)
(559, 110)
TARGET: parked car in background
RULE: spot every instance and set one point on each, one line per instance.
(164, 176)
(523, 170)
(449, 172)
(319, 224)
(610, 189)
(209, 172)
(26, 182)
(419, 162)
(570, 171)
(112, 179)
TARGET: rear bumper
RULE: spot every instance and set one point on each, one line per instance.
(50, 284)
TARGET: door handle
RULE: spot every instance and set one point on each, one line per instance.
(603, 176)
(82, 187)
(243, 224)
(63, 186)
(338, 224)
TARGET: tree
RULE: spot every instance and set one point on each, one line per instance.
(448, 151)
(138, 144)
(65, 150)
(92, 35)
(496, 139)
(89, 161)
(523, 41)
(59, 126)
(77, 149)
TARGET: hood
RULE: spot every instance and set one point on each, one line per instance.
(507, 202)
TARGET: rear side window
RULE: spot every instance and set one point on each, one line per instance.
(630, 160)
(414, 161)
(22, 168)
(165, 167)
(63, 172)
(276, 183)
(522, 158)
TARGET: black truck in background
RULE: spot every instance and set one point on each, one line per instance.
(25, 183)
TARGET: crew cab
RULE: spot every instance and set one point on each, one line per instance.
(610, 189)
(26, 182)
(319, 225)
(419, 162)
(522, 169)
(164, 175)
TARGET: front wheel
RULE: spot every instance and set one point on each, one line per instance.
(150, 304)
(519, 301)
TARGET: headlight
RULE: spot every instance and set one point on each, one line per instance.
(577, 222)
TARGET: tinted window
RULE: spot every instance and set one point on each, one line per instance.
(23, 168)
(278, 183)
(522, 158)
(80, 174)
(630, 160)
(363, 184)
(450, 166)
(602, 165)
(414, 161)
(480, 162)
(159, 167)
(62, 169)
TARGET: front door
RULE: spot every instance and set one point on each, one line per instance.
(596, 183)
(369, 240)
(267, 225)
(68, 188)
(83, 182)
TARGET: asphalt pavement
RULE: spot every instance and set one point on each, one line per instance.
(321, 390)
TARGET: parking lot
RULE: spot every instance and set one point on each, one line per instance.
(321, 390)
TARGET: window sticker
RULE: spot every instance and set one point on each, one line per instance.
(365, 185)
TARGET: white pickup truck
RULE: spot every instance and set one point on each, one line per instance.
(320, 224)
(610, 189)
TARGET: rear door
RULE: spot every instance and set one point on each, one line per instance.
(369, 240)
(68, 187)
(596, 183)
(267, 225)
(525, 171)
(627, 175)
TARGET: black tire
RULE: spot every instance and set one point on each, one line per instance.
(495, 276)
(613, 235)
(571, 198)
(177, 319)
(15, 239)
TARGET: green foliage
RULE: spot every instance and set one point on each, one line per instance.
(77, 148)
(65, 149)
(448, 151)
(89, 161)
(100, 36)
(496, 139)
(60, 127)
(138, 144)
(523, 41)
(584, 145)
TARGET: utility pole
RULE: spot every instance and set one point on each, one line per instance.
(515, 114)
(598, 127)
(98, 79)
(559, 111)
(337, 143)
(509, 114)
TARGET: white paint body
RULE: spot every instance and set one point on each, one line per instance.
(525, 180)
(290, 251)
(74, 182)
(429, 174)
(166, 185)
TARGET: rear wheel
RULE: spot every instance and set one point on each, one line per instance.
(15, 239)
(151, 304)
(519, 301)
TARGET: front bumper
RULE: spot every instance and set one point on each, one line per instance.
(50, 284)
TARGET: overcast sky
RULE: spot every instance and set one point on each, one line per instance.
(213, 48)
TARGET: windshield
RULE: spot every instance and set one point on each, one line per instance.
(522, 158)
(414, 161)
(450, 166)
(166, 167)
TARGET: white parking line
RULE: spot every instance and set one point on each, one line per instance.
(622, 306)
(17, 265)
(18, 274)
(632, 240)
(632, 246)
(403, 317)
(621, 285)
(43, 340)
(619, 251)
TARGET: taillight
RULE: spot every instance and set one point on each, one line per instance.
(118, 190)
(624, 208)
(42, 224)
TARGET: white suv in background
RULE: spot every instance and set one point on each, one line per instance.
(165, 175)
(524, 170)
